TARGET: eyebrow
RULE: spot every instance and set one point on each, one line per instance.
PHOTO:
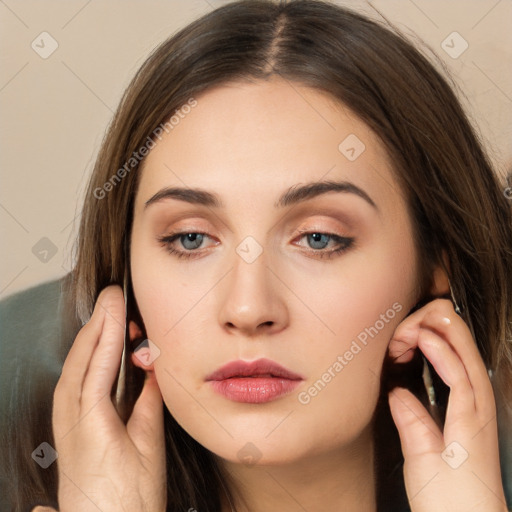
(292, 196)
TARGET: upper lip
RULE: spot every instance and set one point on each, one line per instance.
(256, 368)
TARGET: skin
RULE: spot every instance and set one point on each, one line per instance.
(243, 157)
(216, 307)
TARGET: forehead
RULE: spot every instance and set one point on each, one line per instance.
(249, 141)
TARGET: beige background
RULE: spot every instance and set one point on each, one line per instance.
(55, 110)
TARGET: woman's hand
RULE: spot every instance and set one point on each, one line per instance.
(103, 464)
(457, 469)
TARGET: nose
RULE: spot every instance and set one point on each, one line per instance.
(253, 301)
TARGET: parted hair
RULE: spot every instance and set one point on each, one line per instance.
(454, 196)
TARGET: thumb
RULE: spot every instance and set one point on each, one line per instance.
(418, 431)
(146, 424)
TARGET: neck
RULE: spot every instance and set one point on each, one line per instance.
(341, 479)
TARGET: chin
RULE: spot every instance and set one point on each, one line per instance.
(256, 453)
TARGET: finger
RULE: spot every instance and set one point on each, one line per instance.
(79, 356)
(450, 368)
(456, 333)
(418, 432)
(401, 348)
(145, 426)
(69, 388)
(107, 356)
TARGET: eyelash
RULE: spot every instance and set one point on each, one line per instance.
(345, 244)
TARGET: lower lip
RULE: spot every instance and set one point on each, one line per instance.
(254, 390)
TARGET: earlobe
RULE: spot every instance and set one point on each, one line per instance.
(143, 355)
(402, 346)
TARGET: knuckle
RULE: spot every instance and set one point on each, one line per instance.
(426, 338)
(110, 294)
(443, 306)
(111, 302)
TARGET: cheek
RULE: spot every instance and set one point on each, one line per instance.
(341, 318)
(170, 325)
(345, 379)
(363, 298)
(358, 311)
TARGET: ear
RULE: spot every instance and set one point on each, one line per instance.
(401, 348)
(142, 356)
(440, 283)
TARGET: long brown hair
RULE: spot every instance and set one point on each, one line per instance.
(454, 198)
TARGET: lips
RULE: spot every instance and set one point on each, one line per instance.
(259, 368)
(254, 382)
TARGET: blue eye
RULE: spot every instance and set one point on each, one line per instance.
(192, 241)
(195, 240)
(319, 241)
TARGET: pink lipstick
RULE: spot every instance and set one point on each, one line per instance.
(253, 382)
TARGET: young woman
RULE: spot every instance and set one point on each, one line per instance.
(316, 258)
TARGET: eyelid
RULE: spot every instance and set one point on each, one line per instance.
(330, 223)
(344, 244)
(316, 226)
(325, 227)
(325, 215)
(348, 218)
(299, 231)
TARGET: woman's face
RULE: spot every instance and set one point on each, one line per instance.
(259, 283)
